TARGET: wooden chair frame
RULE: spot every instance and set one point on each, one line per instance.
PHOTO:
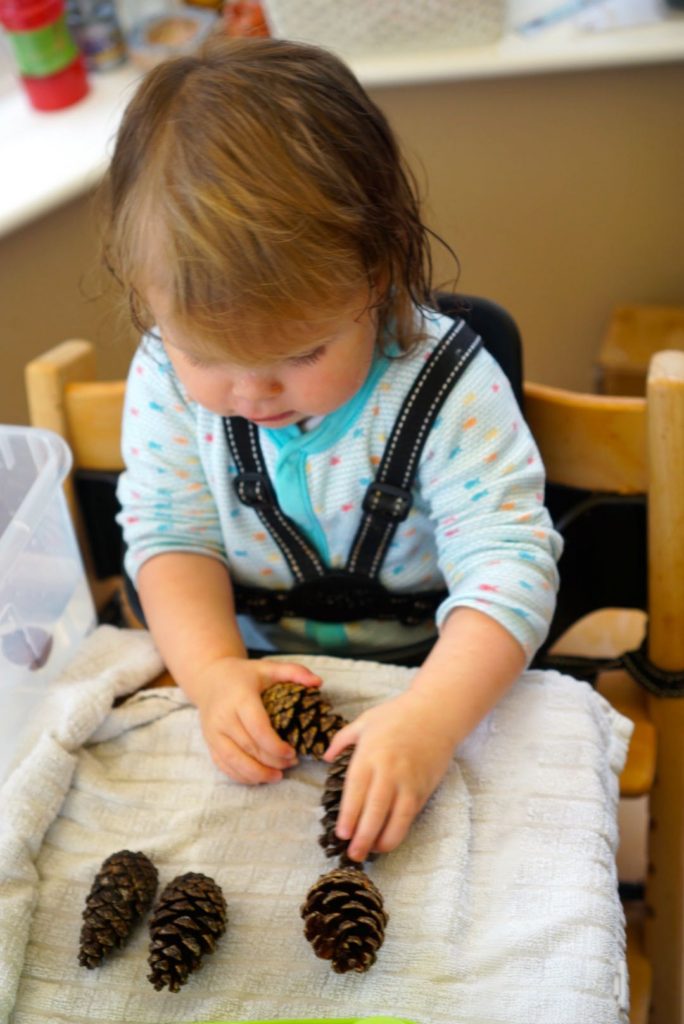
(632, 446)
(596, 442)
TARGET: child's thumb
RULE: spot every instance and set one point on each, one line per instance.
(346, 737)
(291, 672)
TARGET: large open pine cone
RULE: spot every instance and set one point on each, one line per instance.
(121, 892)
(302, 717)
(344, 919)
(186, 923)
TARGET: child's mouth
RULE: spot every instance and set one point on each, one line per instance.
(272, 420)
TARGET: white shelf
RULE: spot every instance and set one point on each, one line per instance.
(48, 159)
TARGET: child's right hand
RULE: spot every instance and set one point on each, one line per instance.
(236, 727)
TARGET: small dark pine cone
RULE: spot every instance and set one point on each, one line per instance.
(121, 892)
(331, 800)
(186, 923)
(344, 919)
(302, 717)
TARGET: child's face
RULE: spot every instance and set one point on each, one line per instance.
(327, 367)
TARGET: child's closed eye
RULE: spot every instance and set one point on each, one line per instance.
(196, 361)
(308, 357)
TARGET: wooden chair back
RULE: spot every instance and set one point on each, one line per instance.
(625, 446)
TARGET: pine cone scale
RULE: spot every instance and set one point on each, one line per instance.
(306, 717)
(186, 922)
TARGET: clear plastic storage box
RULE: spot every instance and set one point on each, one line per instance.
(45, 603)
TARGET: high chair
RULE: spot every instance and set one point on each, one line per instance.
(603, 454)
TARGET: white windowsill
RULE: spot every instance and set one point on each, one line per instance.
(48, 159)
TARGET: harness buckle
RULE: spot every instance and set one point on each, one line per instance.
(387, 501)
(255, 490)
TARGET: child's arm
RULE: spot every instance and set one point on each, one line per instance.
(188, 604)
(404, 746)
(175, 551)
(482, 481)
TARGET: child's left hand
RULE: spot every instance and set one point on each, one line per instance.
(403, 749)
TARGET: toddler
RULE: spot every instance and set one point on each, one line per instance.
(316, 459)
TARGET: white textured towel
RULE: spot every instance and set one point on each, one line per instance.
(502, 902)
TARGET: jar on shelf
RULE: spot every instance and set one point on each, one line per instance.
(244, 19)
(94, 24)
(50, 65)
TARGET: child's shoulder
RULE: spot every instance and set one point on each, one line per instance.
(430, 327)
(152, 370)
(151, 354)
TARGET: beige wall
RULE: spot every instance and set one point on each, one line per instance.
(51, 289)
(562, 195)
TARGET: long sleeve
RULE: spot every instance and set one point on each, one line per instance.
(482, 482)
(166, 501)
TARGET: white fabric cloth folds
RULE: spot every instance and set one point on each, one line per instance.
(502, 901)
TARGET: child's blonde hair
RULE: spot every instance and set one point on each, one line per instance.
(259, 186)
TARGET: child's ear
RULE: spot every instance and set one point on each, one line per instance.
(380, 284)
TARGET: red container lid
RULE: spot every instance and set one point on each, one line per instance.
(24, 15)
(59, 90)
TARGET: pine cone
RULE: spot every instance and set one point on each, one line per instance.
(186, 923)
(302, 717)
(344, 919)
(121, 892)
(331, 800)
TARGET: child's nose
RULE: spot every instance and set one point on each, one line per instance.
(254, 385)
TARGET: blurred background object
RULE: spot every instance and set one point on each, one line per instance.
(45, 54)
(358, 27)
(245, 19)
(609, 15)
(178, 30)
(633, 335)
(94, 24)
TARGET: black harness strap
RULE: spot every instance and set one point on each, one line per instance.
(339, 596)
(352, 593)
(660, 682)
(388, 500)
(254, 489)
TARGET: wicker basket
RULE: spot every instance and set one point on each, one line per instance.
(355, 27)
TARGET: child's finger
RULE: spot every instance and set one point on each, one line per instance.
(261, 739)
(356, 785)
(346, 737)
(238, 764)
(374, 814)
(291, 672)
(402, 813)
